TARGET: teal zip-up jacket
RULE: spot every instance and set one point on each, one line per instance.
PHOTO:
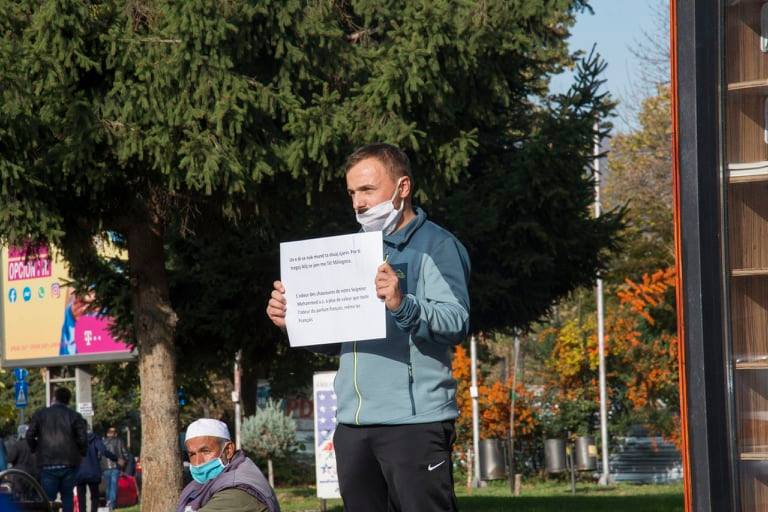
(406, 378)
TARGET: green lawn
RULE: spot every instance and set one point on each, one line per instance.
(537, 497)
(551, 497)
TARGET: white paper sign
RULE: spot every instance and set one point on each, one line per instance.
(330, 289)
(325, 425)
(85, 408)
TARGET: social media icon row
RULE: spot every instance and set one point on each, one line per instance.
(26, 293)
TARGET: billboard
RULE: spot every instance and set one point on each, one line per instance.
(325, 426)
(42, 321)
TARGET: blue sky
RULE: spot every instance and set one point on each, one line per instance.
(615, 26)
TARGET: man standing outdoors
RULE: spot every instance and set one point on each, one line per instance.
(224, 479)
(57, 436)
(89, 473)
(111, 468)
(396, 396)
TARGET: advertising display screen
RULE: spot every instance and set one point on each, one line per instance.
(42, 321)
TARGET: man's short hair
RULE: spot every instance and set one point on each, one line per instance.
(62, 395)
(394, 159)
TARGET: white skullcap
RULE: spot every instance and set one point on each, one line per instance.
(207, 427)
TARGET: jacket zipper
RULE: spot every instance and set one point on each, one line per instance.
(357, 389)
(410, 388)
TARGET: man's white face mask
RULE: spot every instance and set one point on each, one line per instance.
(384, 216)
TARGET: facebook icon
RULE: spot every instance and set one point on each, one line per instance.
(12, 296)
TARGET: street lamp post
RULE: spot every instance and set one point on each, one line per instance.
(473, 392)
(605, 477)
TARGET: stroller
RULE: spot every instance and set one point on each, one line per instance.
(20, 492)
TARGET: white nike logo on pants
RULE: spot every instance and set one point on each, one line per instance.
(432, 468)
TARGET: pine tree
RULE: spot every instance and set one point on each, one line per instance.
(269, 434)
(139, 118)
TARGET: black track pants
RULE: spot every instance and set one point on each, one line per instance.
(396, 468)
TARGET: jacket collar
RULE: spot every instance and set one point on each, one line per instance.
(401, 237)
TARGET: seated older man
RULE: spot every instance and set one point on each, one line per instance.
(224, 479)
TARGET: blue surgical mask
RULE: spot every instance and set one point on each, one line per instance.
(207, 470)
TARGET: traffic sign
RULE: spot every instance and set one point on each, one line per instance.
(21, 393)
(182, 397)
(20, 373)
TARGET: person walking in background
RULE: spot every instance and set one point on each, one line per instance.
(20, 456)
(58, 437)
(111, 468)
(89, 473)
(3, 457)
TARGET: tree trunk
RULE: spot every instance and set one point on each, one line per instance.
(271, 473)
(470, 466)
(155, 323)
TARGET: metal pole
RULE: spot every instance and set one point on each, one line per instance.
(569, 449)
(47, 372)
(606, 476)
(236, 397)
(512, 417)
(473, 392)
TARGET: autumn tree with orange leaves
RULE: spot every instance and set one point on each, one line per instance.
(641, 341)
(645, 350)
(570, 394)
(560, 395)
(641, 359)
(494, 401)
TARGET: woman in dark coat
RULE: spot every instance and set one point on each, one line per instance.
(89, 472)
(20, 456)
